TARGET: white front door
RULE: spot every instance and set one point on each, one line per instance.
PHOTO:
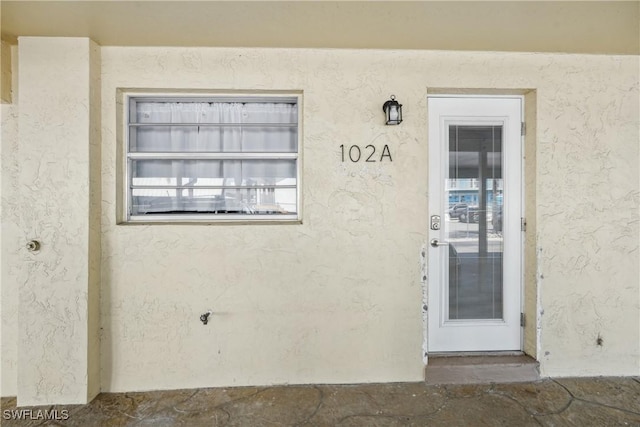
(475, 210)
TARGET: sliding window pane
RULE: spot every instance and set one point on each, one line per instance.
(213, 139)
(194, 173)
(253, 201)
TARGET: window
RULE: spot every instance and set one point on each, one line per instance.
(212, 159)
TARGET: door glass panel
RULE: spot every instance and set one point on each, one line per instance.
(473, 226)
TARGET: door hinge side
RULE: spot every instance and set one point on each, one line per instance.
(523, 129)
(523, 224)
(522, 321)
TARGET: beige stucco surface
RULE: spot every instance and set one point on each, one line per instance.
(5, 72)
(57, 285)
(12, 269)
(338, 298)
(603, 27)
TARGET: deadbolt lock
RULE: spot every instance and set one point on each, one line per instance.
(435, 222)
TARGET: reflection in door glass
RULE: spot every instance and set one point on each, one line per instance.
(473, 227)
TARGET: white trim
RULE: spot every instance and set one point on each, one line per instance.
(468, 114)
(126, 97)
(212, 156)
(212, 219)
(473, 96)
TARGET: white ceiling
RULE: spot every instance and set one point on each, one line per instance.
(543, 26)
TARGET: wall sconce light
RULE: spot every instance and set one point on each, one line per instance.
(393, 111)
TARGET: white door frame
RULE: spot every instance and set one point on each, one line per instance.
(444, 335)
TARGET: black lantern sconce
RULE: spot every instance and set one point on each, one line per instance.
(392, 111)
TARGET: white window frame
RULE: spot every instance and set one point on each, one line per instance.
(124, 177)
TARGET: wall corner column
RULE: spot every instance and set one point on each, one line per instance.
(5, 72)
(59, 153)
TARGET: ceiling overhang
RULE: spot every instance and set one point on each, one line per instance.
(600, 27)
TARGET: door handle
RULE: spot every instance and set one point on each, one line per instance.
(435, 243)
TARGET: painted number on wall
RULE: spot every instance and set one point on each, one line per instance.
(367, 154)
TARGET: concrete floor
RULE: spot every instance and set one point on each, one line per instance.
(549, 402)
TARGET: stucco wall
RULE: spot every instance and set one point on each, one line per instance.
(57, 330)
(335, 299)
(12, 270)
(588, 199)
(338, 297)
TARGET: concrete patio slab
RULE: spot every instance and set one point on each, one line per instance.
(548, 402)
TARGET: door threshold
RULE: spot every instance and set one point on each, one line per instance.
(481, 368)
(475, 353)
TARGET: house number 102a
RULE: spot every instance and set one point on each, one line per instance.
(367, 154)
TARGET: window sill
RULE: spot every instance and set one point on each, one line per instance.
(209, 220)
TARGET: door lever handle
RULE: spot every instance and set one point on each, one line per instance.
(435, 243)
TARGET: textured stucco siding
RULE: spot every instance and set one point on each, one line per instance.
(338, 298)
(588, 205)
(12, 240)
(50, 202)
